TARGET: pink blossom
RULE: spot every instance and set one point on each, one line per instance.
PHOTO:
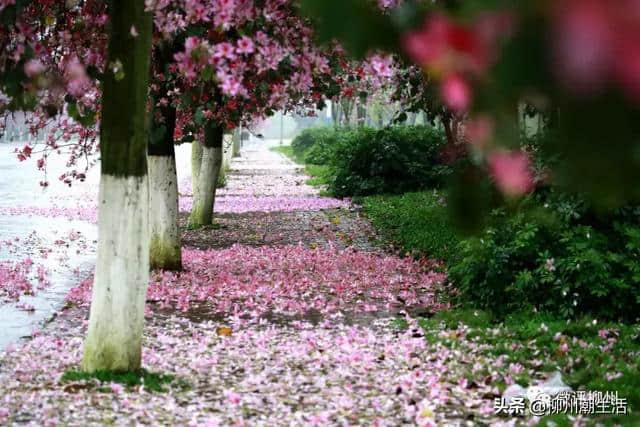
(305, 279)
(388, 4)
(382, 65)
(117, 388)
(446, 46)
(563, 348)
(595, 43)
(224, 50)
(428, 44)
(582, 44)
(455, 93)
(479, 130)
(233, 397)
(516, 368)
(511, 172)
(4, 412)
(627, 65)
(33, 68)
(78, 82)
(245, 45)
(241, 204)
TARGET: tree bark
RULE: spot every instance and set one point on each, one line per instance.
(335, 113)
(165, 253)
(362, 110)
(204, 198)
(448, 130)
(196, 162)
(347, 110)
(453, 150)
(236, 142)
(116, 317)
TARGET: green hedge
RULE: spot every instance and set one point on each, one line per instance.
(551, 253)
(366, 161)
(392, 160)
(311, 138)
(555, 255)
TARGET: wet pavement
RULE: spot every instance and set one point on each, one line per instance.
(65, 249)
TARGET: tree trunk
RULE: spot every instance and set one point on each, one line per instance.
(196, 162)
(335, 113)
(204, 198)
(347, 107)
(236, 142)
(122, 269)
(362, 110)
(165, 251)
(454, 150)
(448, 130)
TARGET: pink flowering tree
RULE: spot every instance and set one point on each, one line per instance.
(165, 246)
(241, 62)
(73, 62)
(216, 64)
(122, 268)
(47, 67)
(358, 81)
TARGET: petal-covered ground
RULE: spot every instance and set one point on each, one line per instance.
(289, 282)
(85, 213)
(340, 228)
(299, 374)
(27, 264)
(263, 181)
(242, 204)
(279, 318)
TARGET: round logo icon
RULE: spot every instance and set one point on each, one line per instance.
(539, 401)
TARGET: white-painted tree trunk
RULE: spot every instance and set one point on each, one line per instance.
(196, 162)
(122, 274)
(163, 213)
(236, 142)
(202, 209)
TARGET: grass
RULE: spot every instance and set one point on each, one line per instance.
(319, 174)
(288, 151)
(222, 178)
(533, 340)
(214, 226)
(416, 222)
(152, 381)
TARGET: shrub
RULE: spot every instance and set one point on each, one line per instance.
(566, 260)
(315, 145)
(309, 137)
(322, 152)
(392, 160)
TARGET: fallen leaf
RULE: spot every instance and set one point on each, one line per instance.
(224, 331)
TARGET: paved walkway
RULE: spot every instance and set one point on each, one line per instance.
(286, 314)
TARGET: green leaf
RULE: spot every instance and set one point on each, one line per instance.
(358, 24)
(207, 74)
(86, 120)
(198, 117)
